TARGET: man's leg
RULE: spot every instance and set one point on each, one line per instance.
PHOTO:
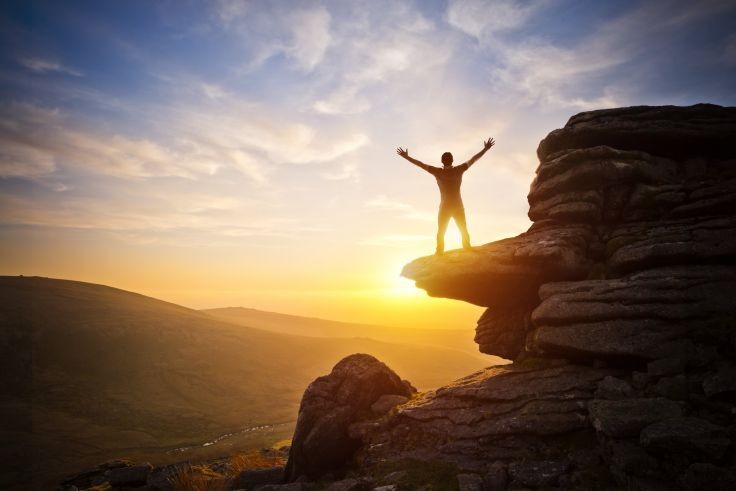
(443, 219)
(459, 215)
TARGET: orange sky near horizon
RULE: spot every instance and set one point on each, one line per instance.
(362, 286)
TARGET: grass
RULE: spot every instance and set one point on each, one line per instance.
(204, 478)
(411, 474)
(198, 478)
(255, 460)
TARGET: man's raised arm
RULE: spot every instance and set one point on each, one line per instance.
(486, 146)
(405, 153)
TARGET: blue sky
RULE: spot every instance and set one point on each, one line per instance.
(213, 152)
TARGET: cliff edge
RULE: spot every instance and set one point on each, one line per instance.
(617, 309)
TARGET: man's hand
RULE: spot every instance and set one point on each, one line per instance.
(487, 144)
(405, 153)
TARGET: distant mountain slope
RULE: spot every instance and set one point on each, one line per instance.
(112, 373)
(461, 339)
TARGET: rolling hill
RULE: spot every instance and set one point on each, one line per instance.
(460, 339)
(92, 373)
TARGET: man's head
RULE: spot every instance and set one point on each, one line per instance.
(447, 159)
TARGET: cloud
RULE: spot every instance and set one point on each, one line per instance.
(310, 36)
(228, 11)
(213, 91)
(347, 171)
(349, 51)
(40, 65)
(480, 18)
(729, 52)
(200, 140)
(380, 53)
(404, 210)
(20, 155)
(188, 219)
(302, 34)
(539, 69)
(37, 140)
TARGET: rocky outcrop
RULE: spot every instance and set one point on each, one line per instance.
(505, 414)
(354, 391)
(617, 309)
(634, 239)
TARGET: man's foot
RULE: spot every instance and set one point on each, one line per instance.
(467, 247)
(438, 253)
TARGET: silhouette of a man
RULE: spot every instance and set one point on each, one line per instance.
(449, 179)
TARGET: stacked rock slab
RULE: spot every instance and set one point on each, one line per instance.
(630, 264)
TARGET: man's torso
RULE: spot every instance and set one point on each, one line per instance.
(449, 180)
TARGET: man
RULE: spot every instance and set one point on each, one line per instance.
(449, 179)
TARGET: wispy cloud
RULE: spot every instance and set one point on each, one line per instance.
(301, 33)
(480, 18)
(729, 52)
(545, 71)
(379, 51)
(200, 141)
(41, 65)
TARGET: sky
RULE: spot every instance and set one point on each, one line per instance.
(242, 153)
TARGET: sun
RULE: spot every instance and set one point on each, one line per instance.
(397, 285)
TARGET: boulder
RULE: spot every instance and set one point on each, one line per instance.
(537, 473)
(676, 388)
(628, 458)
(626, 418)
(613, 388)
(695, 438)
(250, 478)
(134, 475)
(387, 402)
(502, 331)
(469, 482)
(665, 366)
(633, 316)
(293, 486)
(349, 485)
(331, 404)
(496, 478)
(722, 382)
(498, 413)
(702, 130)
(708, 476)
(506, 272)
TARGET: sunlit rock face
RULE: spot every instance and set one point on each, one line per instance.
(634, 209)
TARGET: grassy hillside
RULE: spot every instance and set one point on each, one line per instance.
(312, 326)
(92, 373)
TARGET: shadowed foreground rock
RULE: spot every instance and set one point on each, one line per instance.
(331, 404)
(617, 309)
